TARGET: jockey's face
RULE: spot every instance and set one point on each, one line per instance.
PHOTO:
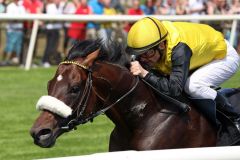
(151, 57)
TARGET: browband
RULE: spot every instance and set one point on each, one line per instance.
(76, 63)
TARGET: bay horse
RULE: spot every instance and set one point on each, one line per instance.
(94, 80)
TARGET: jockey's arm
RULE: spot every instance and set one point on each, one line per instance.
(174, 83)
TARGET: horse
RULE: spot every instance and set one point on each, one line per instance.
(94, 79)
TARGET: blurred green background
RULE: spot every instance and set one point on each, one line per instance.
(19, 92)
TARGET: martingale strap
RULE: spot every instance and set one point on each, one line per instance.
(76, 63)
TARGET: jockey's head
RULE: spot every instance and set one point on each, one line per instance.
(145, 37)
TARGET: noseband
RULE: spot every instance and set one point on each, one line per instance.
(74, 121)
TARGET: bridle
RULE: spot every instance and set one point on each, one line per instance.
(74, 121)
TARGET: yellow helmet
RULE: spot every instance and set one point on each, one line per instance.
(145, 34)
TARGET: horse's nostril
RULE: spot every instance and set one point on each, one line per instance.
(44, 134)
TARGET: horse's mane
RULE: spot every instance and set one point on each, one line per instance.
(109, 51)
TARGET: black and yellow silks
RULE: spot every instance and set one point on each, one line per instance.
(206, 43)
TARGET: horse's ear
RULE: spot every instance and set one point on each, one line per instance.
(91, 58)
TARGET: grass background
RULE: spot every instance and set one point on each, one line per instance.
(19, 92)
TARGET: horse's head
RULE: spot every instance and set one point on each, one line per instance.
(75, 95)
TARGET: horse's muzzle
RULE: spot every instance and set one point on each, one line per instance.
(43, 138)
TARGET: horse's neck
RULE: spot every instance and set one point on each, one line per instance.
(134, 109)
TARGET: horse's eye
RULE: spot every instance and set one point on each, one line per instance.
(75, 89)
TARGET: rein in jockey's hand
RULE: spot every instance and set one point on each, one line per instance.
(137, 69)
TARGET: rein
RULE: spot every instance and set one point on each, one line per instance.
(184, 107)
(85, 97)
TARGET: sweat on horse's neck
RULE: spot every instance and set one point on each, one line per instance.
(130, 112)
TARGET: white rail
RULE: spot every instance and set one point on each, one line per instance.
(105, 18)
(209, 153)
(109, 18)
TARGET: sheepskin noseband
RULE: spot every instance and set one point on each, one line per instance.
(54, 105)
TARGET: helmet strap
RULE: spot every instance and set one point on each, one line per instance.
(162, 45)
(161, 50)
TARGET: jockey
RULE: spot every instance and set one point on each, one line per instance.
(177, 56)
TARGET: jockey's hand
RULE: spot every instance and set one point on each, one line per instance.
(137, 69)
